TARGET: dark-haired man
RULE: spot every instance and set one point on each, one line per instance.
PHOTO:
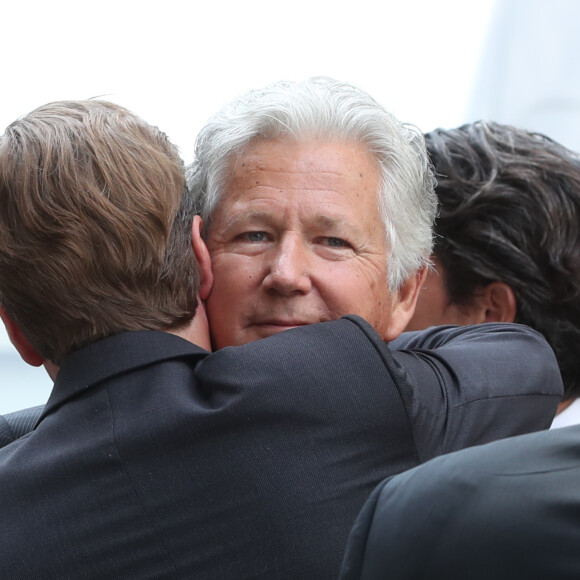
(507, 244)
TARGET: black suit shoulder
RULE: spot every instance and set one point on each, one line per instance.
(15, 425)
(505, 510)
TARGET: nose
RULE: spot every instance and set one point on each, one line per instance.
(289, 268)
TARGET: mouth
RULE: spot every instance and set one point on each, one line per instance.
(267, 327)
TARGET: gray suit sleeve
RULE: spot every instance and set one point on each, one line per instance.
(469, 385)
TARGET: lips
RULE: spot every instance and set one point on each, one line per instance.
(261, 325)
(268, 324)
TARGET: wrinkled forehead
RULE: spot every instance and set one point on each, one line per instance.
(315, 164)
(306, 187)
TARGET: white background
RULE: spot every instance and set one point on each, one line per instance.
(176, 63)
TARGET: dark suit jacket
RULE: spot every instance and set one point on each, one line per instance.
(15, 425)
(509, 510)
(463, 410)
(155, 459)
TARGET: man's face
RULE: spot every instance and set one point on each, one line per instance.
(297, 239)
(434, 307)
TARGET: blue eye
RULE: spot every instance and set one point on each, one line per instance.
(336, 243)
(256, 236)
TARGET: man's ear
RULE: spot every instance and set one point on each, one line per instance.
(203, 259)
(28, 353)
(498, 301)
(404, 302)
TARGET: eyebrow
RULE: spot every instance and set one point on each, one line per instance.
(332, 222)
(251, 216)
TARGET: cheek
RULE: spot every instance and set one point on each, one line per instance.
(224, 307)
(216, 308)
(455, 315)
(235, 281)
(224, 288)
(354, 290)
(422, 318)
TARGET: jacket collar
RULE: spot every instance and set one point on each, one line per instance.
(112, 356)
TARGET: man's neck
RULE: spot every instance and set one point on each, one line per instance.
(51, 369)
(564, 405)
(197, 330)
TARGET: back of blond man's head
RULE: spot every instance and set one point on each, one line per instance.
(94, 227)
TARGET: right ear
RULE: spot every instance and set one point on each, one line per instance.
(404, 301)
(203, 259)
(28, 353)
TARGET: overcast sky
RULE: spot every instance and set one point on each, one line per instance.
(177, 62)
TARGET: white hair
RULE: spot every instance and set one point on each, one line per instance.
(329, 110)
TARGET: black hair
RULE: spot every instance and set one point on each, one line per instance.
(510, 212)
